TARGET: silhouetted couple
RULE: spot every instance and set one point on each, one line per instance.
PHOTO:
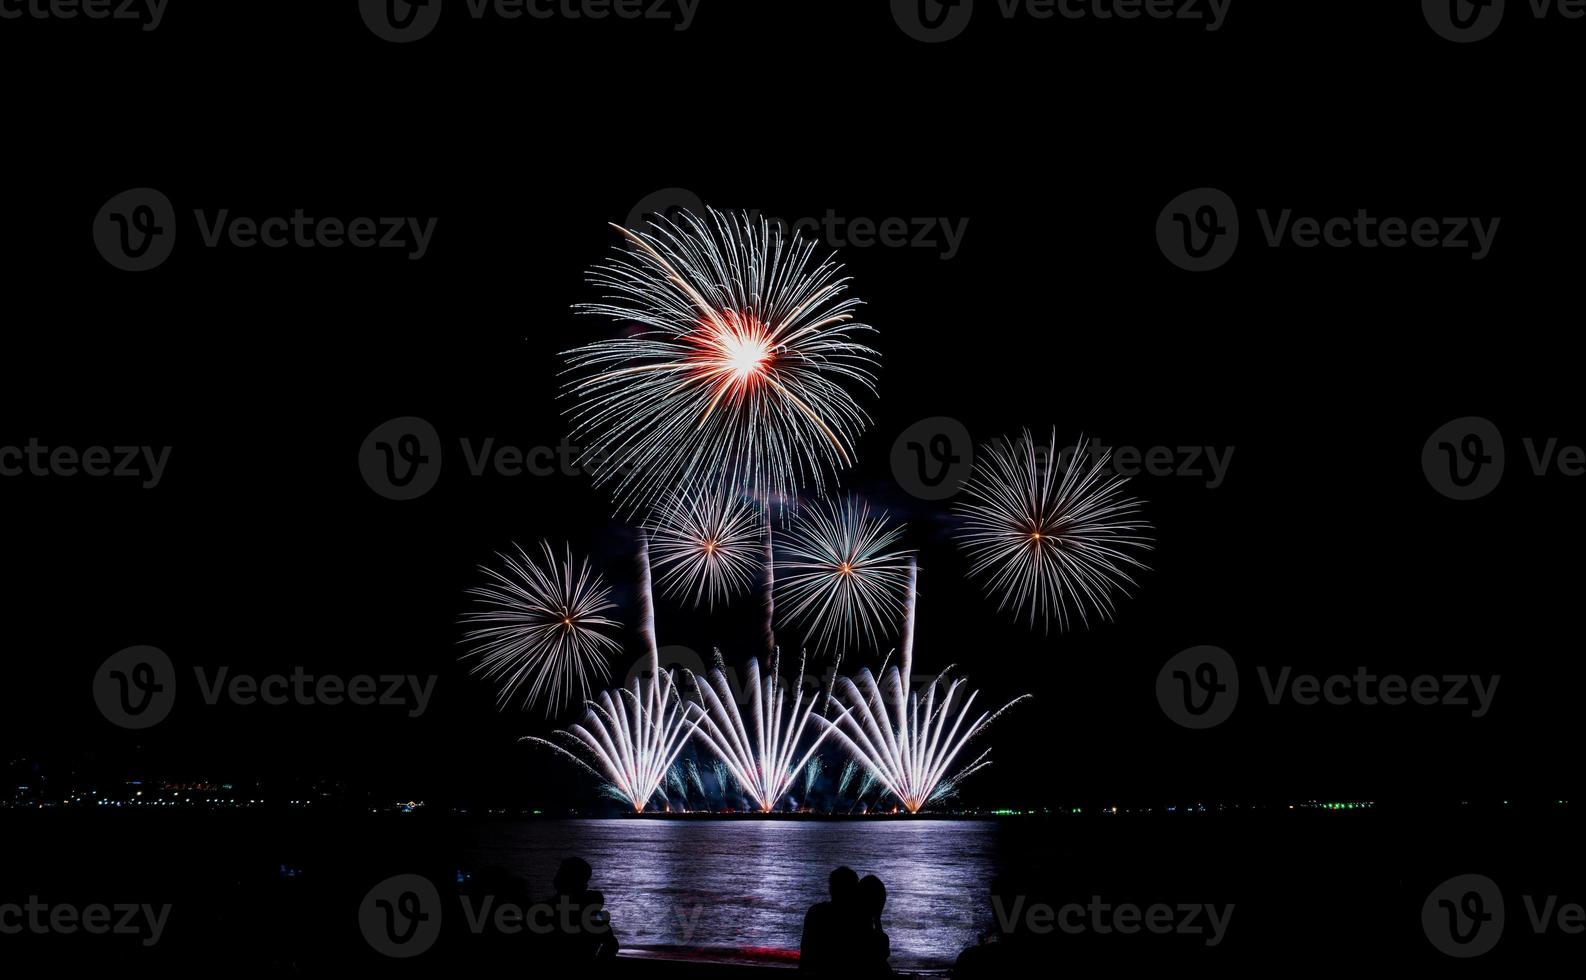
(570, 932)
(843, 936)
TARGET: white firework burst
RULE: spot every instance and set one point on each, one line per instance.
(542, 627)
(631, 736)
(913, 752)
(840, 574)
(706, 546)
(738, 378)
(1051, 536)
(763, 756)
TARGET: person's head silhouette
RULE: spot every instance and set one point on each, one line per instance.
(572, 877)
(844, 884)
(872, 895)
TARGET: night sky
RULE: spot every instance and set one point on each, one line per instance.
(1322, 371)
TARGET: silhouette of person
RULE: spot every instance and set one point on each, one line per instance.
(1012, 949)
(874, 946)
(831, 928)
(580, 934)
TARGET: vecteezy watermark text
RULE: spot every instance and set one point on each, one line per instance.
(1199, 688)
(1103, 918)
(147, 13)
(34, 459)
(1199, 231)
(136, 688)
(934, 21)
(403, 21)
(42, 918)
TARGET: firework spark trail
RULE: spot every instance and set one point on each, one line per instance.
(840, 574)
(739, 379)
(760, 755)
(706, 546)
(812, 774)
(911, 753)
(541, 627)
(1048, 542)
(630, 737)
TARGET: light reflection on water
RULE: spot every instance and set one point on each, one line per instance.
(748, 883)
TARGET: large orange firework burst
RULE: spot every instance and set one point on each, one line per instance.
(741, 374)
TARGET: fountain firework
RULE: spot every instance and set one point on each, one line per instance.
(737, 380)
(911, 753)
(630, 737)
(761, 761)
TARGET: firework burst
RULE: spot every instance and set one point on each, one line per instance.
(763, 755)
(707, 546)
(542, 627)
(914, 753)
(1048, 536)
(840, 574)
(739, 377)
(630, 737)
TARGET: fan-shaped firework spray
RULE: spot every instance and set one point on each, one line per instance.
(542, 627)
(738, 375)
(840, 574)
(631, 736)
(1050, 536)
(913, 752)
(762, 755)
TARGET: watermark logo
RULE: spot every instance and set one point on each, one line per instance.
(136, 230)
(41, 918)
(932, 458)
(136, 687)
(404, 21)
(146, 464)
(1102, 918)
(401, 459)
(1463, 459)
(1463, 916)
(400, 21)
(933, 21)
(1199, 687)
(1199, 230)
(1463, 21)
(149, 14)
(401, 916)
(667, 203)
(943, 235)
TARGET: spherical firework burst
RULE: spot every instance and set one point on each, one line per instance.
(707, 547)
(913, 752)
(542, 627)
(739, 375)
(840, 574)
(1050, 535)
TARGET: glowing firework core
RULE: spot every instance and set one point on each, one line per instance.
(736, 348)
